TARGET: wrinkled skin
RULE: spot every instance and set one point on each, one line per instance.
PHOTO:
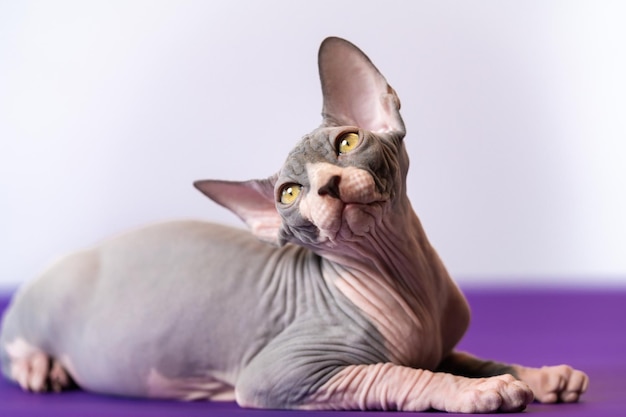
(336, 300)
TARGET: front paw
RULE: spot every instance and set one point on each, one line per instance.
(486, 395)
(552, 384)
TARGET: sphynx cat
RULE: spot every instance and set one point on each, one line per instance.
(335, 300)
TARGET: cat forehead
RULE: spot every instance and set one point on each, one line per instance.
(317, 146)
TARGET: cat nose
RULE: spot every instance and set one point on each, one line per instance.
(331, 188)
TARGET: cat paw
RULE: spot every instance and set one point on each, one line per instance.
(33, 370)
(552, 384)
(38, 373)
(501, 393)
(58, 378)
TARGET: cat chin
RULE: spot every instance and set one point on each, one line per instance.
(357, 220)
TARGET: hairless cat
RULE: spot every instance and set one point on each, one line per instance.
(335, 300)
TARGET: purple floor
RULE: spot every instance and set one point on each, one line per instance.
(586, 329)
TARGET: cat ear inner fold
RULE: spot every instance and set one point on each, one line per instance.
(355, 93)
(253, 201)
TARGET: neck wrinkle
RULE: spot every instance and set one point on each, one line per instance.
(401, 256)
(394, 275)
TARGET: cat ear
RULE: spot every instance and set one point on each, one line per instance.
(355, 92)
(253, 201)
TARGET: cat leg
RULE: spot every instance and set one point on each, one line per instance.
(550, 384)
(316, 383)
(392, 387)
(33, 370)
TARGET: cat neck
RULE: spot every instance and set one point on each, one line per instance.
(397, 252)
(395, 270)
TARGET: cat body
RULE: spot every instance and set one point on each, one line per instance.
(336, 300)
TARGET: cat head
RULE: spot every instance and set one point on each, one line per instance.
(342, 180)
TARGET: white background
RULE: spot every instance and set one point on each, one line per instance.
(516, 117)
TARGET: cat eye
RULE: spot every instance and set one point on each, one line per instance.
(347, 142)
(290, 193)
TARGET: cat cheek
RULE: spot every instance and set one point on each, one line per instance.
(359, 187)
(324, 213)
(327, 215)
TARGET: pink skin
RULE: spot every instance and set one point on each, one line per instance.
(34, 370)
(371, 274)
(390, 386)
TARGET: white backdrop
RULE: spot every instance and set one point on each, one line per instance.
(516, 117)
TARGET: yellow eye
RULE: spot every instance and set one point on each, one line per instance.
(347, 142)
(290, 193)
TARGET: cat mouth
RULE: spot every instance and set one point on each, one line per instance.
(360, 218)
(353, 220)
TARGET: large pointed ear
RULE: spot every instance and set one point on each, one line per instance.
(355, 92)
(253, 201)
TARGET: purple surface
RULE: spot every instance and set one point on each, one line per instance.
(585, 329)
